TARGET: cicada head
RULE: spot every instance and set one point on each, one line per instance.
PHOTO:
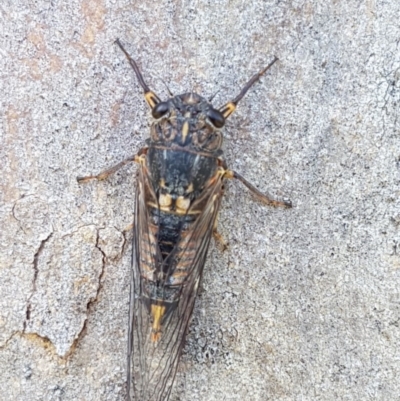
(188, 120)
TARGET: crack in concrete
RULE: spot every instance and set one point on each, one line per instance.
(43, 339)
(75, 230)
(92, 300)
(127, 231)
(35, 276)
(13, 211)
(89, 305)
(103, 265)
(15, 217)
(4, 346)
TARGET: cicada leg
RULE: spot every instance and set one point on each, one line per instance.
(219, 239)
(266, 199)
(222, 244)
(106, 173)
(128, 228)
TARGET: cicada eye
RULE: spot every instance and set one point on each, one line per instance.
(160, 109)
(216, 118)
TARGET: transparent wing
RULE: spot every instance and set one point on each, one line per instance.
(152, 365)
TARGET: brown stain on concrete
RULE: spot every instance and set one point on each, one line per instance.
(94, 12)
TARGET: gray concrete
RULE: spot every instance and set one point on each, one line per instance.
(304, 305)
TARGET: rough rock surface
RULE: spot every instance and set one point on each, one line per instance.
(304, 304)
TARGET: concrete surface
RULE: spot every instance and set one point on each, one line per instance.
(304, 305)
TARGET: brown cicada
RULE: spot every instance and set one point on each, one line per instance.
(180, 184)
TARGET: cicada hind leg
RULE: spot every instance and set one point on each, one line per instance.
(264, 198)
(222, 244)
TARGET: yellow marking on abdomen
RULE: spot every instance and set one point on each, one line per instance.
(182, 204)
(164, 200)
(157, 313)
(167, 209)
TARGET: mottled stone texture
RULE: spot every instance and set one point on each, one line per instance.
(304, 304)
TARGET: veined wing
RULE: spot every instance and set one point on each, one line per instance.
(153, 358)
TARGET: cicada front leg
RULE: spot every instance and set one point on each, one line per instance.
(106, 173)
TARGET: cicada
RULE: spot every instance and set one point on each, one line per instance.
(179, 188)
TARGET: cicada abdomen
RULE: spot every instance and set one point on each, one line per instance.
(180, 184)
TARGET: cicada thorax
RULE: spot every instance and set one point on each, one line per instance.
(182, 161)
